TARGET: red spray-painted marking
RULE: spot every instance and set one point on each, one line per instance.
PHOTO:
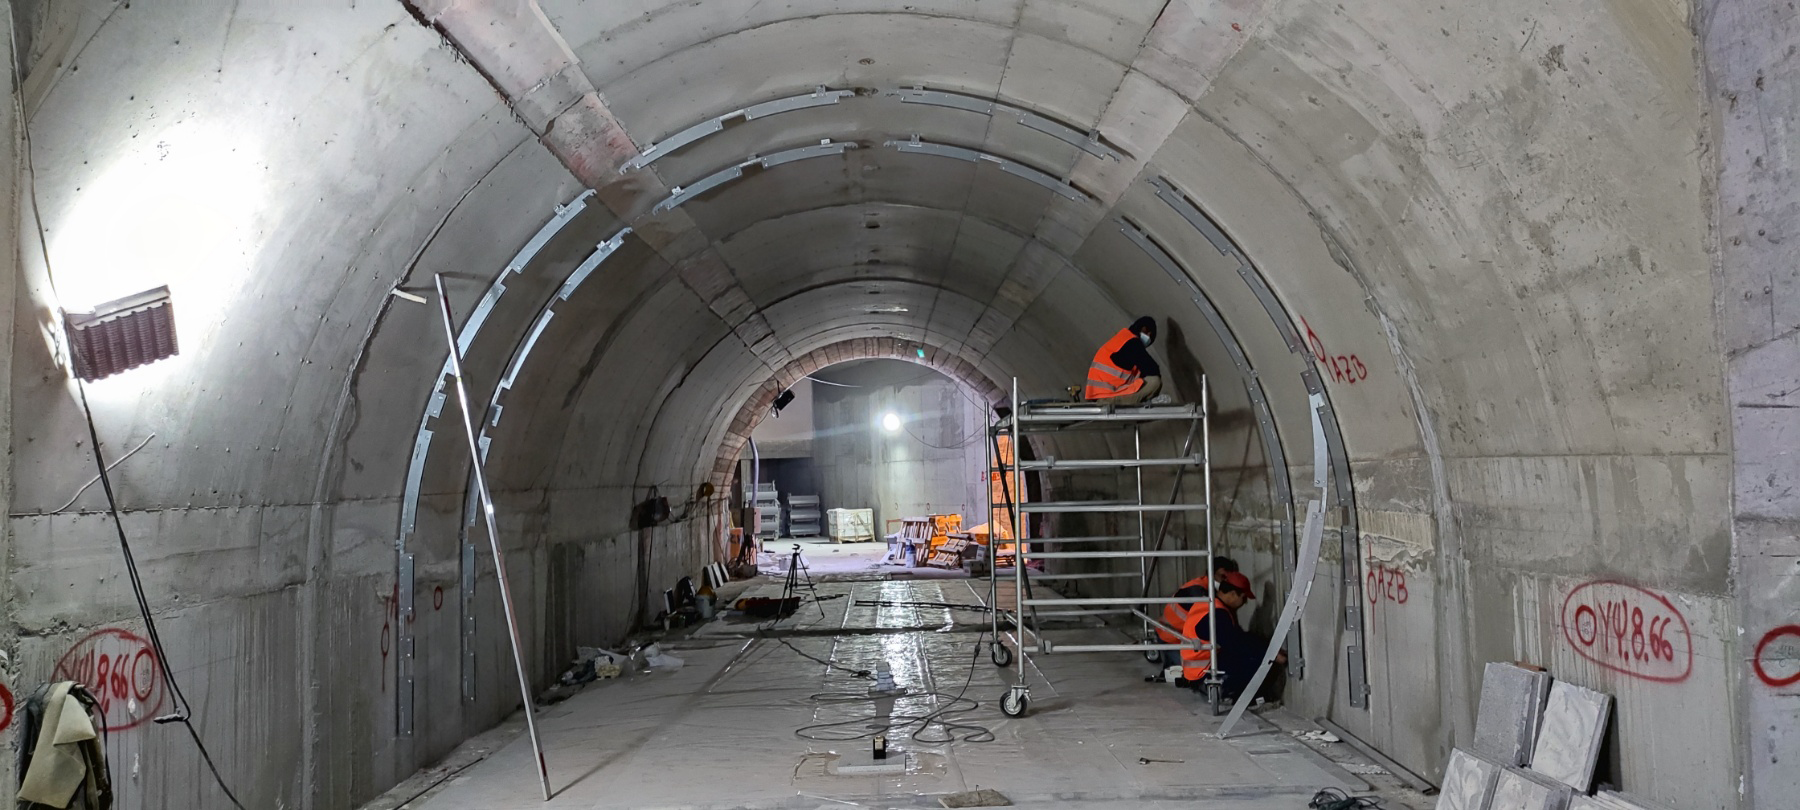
(120, 668)
(1629, 630)
(437, 598)
(1344, 368)
(1386, 583)
(6, 707)
(390, 611)
(1786, 656)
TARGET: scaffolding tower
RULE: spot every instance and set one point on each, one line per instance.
(1131, 540)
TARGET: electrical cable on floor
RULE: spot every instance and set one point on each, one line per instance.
(1335, 799)
(860, 673)
(919, 725)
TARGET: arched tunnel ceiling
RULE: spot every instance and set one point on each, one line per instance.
(1319, 174)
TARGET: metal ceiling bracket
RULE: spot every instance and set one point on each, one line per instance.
(522, 351)
(819, 97)
(434, 405)
(603, 250)
(1180, 275)
(682, 194)
(940, 98)
(1088, 142)
(1012, 167)
(1183, 205)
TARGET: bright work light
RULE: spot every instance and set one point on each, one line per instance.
(133, 331)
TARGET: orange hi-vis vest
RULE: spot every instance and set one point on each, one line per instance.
(1195, 663)
(1106, 380)
(1175, 614)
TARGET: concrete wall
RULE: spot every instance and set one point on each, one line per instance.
(932, 465)
(11, 245)
(1753, 98)
(1482, 228)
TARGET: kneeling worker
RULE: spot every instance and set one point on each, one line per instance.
(1123, 370)
(1175, 614)
(1237, 650)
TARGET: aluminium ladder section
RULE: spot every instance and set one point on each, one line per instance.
(1028, 418)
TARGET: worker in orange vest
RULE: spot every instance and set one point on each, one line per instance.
(1175, 614)
(1123, 370)
(1238, 652)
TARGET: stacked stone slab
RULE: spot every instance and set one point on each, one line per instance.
(1512, 704)
(1611, 800)
(1528, 719)
(1521, 789)
(1469, 781)
(1569, 739)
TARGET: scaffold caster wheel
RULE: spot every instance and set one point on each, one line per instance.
(1214, 697)
(1001, 654)
(1014, 702)
(1153, 656)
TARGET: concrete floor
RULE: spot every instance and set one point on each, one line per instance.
(731, 727)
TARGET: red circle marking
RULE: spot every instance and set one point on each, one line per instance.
(437, 598)
(1761, 646)
(6, 707)
(146, 675)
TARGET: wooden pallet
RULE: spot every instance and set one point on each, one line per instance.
(949, 553)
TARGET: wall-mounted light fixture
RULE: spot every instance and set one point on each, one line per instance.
(783, 400)
(120, 335)
(890, 422)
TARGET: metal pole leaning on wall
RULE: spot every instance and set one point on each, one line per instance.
(487, 510)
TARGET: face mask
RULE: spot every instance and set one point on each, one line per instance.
(1146, 337)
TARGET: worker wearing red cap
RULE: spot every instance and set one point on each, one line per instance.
(1175, 614)
(1236, 651)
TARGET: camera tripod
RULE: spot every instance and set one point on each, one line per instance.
(797, 575)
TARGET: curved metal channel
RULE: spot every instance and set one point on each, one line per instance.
(1350, 539)
(1258, 400)
(1008, 165)
(1088, 142)
(822, 97)
(546, 311)
(415, 468)
(682, 194)
(651, 153)
(491, 419)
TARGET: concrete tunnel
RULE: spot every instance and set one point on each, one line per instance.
(1531, 263)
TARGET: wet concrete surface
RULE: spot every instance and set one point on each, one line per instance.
(756, 718)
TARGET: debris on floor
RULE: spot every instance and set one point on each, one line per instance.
(590, 664)
(985, 797)
(1317, 736)
(656, 659)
